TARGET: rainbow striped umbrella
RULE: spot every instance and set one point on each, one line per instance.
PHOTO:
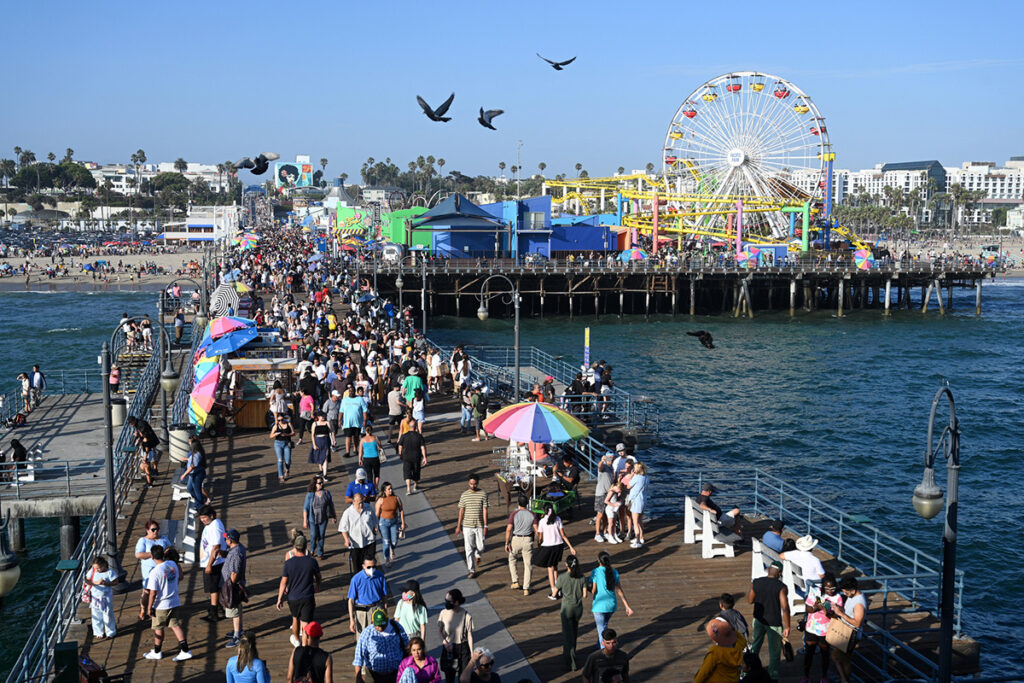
(537, 422)
(202, 398)
(863, 259)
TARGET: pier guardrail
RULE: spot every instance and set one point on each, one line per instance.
(58, 382)
(29, 481)
(179, 412)
(36, 659)
(683, 266)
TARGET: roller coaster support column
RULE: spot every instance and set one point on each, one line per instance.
(792, 223)
(828, 199)
(739, 227)
(618, 208)
(654, 227)
(805, 238)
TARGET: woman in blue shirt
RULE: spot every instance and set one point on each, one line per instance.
(195, 471)
(604, 586)
(246, 666)
(636, 501)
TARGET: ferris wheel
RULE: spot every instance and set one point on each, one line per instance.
(751, 136)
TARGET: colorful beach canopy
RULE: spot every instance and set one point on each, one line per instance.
(202, 398)
(633, 254)
(203, 367)
(537, 422)
(863, 259)
(231, 341)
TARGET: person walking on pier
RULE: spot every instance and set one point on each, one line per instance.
(455, 626)
(604, 585)
(195, 472)
(390, 519)
(472, 522)
(163, 604)
(300, 582)
(246, 666)
(358, 526)
(316, 510)
(212, 551)
(519, 531)
(572, 586)
(101, 598)
(282, 433)
(771, 615)
(412, 450)
(553, 541)
(232, 576)
(143, 551)
(368, 590)
(309, 662)
(38, 380)
(380, 650)
(608, 658)
(323, 443)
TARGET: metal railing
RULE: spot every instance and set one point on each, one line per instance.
(179, 413)
(58, 382)
(30, 481)
(36, 659)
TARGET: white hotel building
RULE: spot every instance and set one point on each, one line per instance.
(119, 175)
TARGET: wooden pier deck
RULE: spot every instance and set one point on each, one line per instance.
(672, 590)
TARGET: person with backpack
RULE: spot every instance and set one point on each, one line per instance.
(380, 650)
(310, 663)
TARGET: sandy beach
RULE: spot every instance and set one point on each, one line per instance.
(81, 281)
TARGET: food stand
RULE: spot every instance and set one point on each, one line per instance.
(254, 379)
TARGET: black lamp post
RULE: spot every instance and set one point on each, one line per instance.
(482, 314)
(928, 501)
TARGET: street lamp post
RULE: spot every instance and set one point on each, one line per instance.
(928, 501)
(482, 314)
(399, 282)
(423, 292)
(168, 383)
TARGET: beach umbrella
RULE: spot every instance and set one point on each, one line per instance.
(365, 298)
(203, 397)
(88, 267)
(632, 254)
(232, 341)
(222, 298)
(537, 422)
(203, 367)
(226, 324)
(863, 259)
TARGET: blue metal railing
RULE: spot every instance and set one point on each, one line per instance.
(179, 414)
(58, 382)
(36, 659)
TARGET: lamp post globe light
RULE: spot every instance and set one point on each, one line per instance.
(512, 297)
(10, 569)
(928, 501)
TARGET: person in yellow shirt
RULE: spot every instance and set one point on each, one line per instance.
(724, 658)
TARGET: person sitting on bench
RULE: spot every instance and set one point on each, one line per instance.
(730, 520)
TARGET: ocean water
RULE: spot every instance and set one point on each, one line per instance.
(839, 406)
(59, 331)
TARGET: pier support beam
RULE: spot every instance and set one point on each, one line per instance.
(693, 297)
(621, 298)
(888, 299)
(937, 286)
(16, 533)
(70, 535)
(792, 292)
(839, 298)
(926, 294)
(977, 297)
(675, 292)
(747, 301)
(949, 295)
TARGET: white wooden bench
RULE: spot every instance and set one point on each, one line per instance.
(762, 556)
(182, 534)
(179, 490)
(699, 525)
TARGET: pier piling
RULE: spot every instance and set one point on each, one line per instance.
(693, 296)
(16, 534)
(839, 307)
(926, 294)
(70, 535)
(792, 300)
(977, 297)
(888, 296)
(937, 286)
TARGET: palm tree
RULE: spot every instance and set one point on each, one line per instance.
(68, 154)
(620, 170)
(649, 167)
(579, 167)
(541, 166)
(180, 165)
(17, 155)
(440, 166)
(51, 157)
(501, 167)
(344, 177)
(25, 158)
(7, 170)
(220, 177)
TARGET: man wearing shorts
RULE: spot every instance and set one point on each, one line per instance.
(413, 452)
(163, 604)
(232, 570)
(394, 412)
(212, 551)
(300, 581)
(353, 419)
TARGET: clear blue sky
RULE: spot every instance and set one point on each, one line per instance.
(213, 81)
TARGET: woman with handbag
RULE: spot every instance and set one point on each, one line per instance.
(816, 625)
(456, 629)
(282, 434)
(305, 414)
(316, 510)
(323, 442)
(845, 626)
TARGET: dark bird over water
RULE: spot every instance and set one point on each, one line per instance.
(439, 113)
(486, 116)
(557, 66)
(704, 337)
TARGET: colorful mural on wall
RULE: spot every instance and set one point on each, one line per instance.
(354, 221)
(292, 174)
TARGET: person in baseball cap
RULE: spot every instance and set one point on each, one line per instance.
(361, 485)
(312, 659)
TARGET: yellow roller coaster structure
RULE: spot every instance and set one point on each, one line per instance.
(683, 213)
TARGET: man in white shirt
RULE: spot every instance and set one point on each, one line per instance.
(163, 604)
(358, 526)
(142, 552)
(212, 551)
(810, 566)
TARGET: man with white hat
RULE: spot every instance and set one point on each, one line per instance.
(810, 566)
(361, 485)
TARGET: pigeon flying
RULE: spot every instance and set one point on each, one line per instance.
(486, 117)
(557, 66)
(439, 113)
(704, 337)
(245, 162)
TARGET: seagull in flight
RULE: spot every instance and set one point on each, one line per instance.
(439, 113)
(260, 165)
(557, 66)
(486, 117)
(704, 337)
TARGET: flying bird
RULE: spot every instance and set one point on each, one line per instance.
(260, 165)
(557, 66)
(486, 117)
(439, 113)
(704, 337)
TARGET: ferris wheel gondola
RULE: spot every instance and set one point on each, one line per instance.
(735, 138)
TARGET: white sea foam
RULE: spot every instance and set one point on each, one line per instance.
(65, 329)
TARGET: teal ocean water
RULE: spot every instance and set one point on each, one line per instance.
(840, 407)
(837, 405)
(59, 331)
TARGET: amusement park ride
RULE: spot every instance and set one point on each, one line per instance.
(746, 155)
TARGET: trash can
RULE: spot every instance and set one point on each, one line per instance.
(118, 411)
(178, 448)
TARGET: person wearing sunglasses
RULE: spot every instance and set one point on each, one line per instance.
(481, 668)
(143, 551)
